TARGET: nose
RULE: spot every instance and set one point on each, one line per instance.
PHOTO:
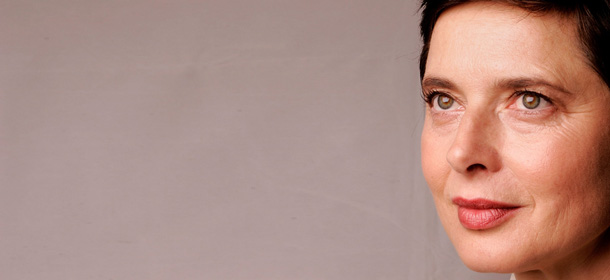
(475, 147)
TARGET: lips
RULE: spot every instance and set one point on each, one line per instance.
(481, 214)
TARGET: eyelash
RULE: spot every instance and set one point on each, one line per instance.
(428, 96)
(522, 92)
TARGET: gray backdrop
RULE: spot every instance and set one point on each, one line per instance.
(214, 139)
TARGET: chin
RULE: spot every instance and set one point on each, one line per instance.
(489, 251)
(488, 264)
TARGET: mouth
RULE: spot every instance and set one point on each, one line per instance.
(481, 214)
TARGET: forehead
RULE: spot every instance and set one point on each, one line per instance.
(492, 40)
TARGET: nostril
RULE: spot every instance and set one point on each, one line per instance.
(476, 166)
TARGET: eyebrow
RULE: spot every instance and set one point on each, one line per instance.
(438, 82)
(530, 82)
(512, 83)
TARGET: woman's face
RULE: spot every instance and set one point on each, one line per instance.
(516, 142)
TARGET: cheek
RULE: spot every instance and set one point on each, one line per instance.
(434, 160)
(531, 160)
(565, 179)
(554, 165)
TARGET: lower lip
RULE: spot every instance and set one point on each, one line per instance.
(480, 219)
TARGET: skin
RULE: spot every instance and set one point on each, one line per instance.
(553, 161)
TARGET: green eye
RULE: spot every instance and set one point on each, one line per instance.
(444, 102)
(530, 100)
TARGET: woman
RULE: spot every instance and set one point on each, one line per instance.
(516, 141)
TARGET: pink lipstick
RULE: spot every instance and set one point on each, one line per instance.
(480, 214)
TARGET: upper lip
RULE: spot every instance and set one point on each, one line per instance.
(481, 203)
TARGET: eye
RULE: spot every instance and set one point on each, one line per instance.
(528, 100)
(443, 101)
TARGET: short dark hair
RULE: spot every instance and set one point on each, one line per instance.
(592, 18)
